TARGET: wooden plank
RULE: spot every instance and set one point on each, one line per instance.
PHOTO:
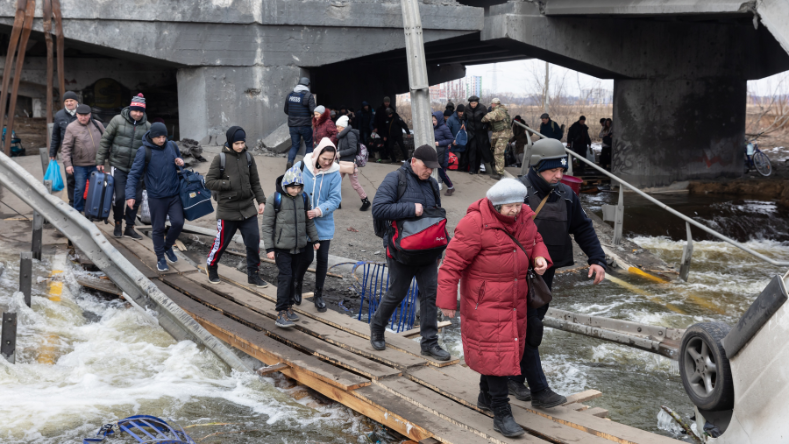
(330, 317)
(597, 411)
(103, 285)
(414, 332)
(466, 392)
(448, 410)
(292, 337)
(143, 248)
(272, 369)
(263, 348)
(320, 330)
(578, 407)
(134, 260)
(584, 396)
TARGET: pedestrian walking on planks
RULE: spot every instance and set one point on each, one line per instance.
(157, 163)
(80, 144)
(410, 196)
(62, 119)
(234, 178)
(119, 144)
(287, 230)
(558, 214)
(491, 267)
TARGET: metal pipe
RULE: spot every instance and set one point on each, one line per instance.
(668, 208)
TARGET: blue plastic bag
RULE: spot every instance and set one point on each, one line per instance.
(53, 174)
(461, 138)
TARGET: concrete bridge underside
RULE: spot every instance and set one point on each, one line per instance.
(680, 67)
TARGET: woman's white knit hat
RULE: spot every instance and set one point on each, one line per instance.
(507, 191)
(342, 121)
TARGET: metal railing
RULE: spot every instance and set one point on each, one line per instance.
(688, 250)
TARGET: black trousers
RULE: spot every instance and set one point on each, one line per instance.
(120, 209)
(321, 268)
(400, 277)
(225, 230)
(496, 387)
(289, 266)
(478, 153)
(160, 209)
(389, 148)
(531, 365)
(70, 184)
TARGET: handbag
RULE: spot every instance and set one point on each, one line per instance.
(539, 293)
(347, 167)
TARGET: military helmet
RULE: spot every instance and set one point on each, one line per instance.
(547, 149)
(304, 81)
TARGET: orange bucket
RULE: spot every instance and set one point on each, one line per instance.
(573, 182)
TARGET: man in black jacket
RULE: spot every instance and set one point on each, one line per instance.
(62, 119)
(579, 141)
(393, 128)
(379, 124)
(478, 146)
(560, 216)
(420, 193)
(299, 106)
(363, 121)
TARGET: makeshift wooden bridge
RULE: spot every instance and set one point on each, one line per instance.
(421, 398)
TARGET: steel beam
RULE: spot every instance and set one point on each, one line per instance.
(26, 276)
(687, 252)
(8, 337)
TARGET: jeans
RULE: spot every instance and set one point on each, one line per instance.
(321, 268)
(81, 177)
(160, 209)
(296, 134)
(120, 209)
(400, 277)
(225, 230)
(496, 387)
(289, 266)
(531, 366)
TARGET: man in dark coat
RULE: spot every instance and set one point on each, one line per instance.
(421, 193)
(549, 128)
(379, 124)
(478, 146)
(560, 216)
(62, 119)
(300, 106)
(579, 141)
(392, 132)
(363, 121)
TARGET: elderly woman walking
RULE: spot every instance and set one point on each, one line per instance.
(491, 268)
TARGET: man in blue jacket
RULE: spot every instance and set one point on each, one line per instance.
(549, 128)
(158, 163)
(421, 192)
(299, 106)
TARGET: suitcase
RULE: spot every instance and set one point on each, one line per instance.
(100, 192)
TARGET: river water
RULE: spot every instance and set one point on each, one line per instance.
(84, 360)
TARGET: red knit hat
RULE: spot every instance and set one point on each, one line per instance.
(137, 103)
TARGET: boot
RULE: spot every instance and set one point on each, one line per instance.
(283, 321)
(504, 423)
(339, 207)
(377, 339)
(483, 401)
(518, 390)
(129, 232)
(254, 279)
(118, 229)
(317, 298)
(365, 204)
(213, 276)
(547, 399)
(296, 296)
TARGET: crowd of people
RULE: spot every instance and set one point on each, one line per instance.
(521, 224)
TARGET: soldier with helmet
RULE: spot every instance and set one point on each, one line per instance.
(558, 215)
(299, 106)
(501, 125)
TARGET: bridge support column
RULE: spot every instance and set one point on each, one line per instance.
(679, 129)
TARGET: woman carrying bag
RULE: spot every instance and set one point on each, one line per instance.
(494, 246)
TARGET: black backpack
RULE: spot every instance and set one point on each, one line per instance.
(222, 163)
(382, 226)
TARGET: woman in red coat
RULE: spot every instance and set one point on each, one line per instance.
(323, 126)
(492, 270)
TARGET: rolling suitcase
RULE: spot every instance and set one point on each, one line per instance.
(99, 199)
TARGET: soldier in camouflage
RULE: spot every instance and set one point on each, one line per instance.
(501, 123)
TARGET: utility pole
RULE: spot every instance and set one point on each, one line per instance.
(421, 113)
(547, 85)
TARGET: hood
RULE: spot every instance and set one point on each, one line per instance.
(492, 217)
(324, 117)
(230, 133)
(125, 114)
(364, 103)
(311, 159)
(146, 141)
(439, 115)
(300, 88)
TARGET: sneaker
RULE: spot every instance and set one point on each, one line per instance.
(518, 390)
(129, 232)
(255, 280)
(365, 204)
(437, 353)
(547, 399)
(213, 276)
(292, 315)
(283, 321)
(161, 265)
(118, 232)
(450, 191)
(170, 255)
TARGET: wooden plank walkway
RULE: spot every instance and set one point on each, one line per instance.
(421, 398)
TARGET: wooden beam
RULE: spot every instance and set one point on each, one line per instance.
(414, 332)
(584, 396)
(143, 248)
(597, 411)
(100, 284)
(263, 371)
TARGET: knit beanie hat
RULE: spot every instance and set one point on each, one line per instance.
(386, 99)
(549, 164)
(461, 108)
(137, 103)
(320, 109)
(447, 113)
(292, 177)
(235, 134)
(70, 95)
(507, 191)
(158, 129)
(342, 121)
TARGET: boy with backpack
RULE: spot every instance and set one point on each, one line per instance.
(286, 229)
(233, 178)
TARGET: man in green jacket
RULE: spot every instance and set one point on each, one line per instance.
(120, 143)
(237, 187)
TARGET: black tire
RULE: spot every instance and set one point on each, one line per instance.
(704, 367)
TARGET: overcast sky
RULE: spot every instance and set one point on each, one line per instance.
(526, 77)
